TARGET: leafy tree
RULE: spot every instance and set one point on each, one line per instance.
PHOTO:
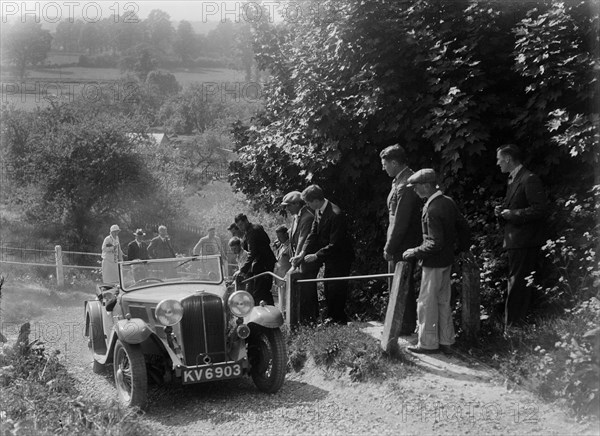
(81, 170)
(185, 42)
(160, 30)
(193, 110)
(163, 83)
(25, 44)
(139, 60)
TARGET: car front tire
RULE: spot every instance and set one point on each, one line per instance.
(131, 379)
(267, 355)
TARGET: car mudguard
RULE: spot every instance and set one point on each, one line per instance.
(94, 327)
(133, 331)
(266, 316)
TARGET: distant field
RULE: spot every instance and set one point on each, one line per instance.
(70, 82)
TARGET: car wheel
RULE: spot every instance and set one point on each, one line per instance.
(131, 379)
(267, 356)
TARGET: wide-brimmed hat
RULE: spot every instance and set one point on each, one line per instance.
(139, 232)
(292, 197)
(115, 228)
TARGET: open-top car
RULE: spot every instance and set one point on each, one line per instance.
(177, 320)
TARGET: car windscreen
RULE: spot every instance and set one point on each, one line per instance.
(205, 269)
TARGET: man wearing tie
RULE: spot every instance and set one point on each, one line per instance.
(523, 214)
(404, 228)
(160, 247)
(137, 249)
(331, 244)
(302, 223)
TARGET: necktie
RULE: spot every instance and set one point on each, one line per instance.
(294, 225)
(510, 179)
(318, 216)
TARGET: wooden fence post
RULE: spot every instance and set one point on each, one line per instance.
(292, 306)
(60, 275)
(470, 299)
(396, 305)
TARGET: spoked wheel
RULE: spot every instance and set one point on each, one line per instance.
(131, 379)
(267, 356)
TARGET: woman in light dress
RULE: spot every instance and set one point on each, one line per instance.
(111, 255)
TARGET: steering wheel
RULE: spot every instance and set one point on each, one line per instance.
(212, 276)
(147, 279)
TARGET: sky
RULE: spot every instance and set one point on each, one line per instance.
(196, 10)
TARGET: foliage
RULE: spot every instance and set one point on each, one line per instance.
(39, 396)
(25, 44)
(163, 83)
(193, 110)
(342, 349)
(79, 171)
(450, 82)
(139, 60)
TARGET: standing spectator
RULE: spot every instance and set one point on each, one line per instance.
(331, 244)
(303, 218)
(283, 251)
(111, 256)
(208, 245)
(137, 249)
(235, 231)
(260, 259)
(160, 247)
(523, 214)
(404, 228)
(444, 230)
(241, 255)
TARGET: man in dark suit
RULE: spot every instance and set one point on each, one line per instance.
(331, 244)
(404, 228)
(260, 259)
(302, 224)
(160, 247)
(523, 214)
(445, 231)
(137, 249)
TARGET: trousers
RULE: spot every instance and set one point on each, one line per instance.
(434, 315)
(336, 292)
(521, 262)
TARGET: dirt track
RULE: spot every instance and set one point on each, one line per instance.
(446, 395)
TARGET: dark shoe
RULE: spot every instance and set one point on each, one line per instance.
(420, 350)
(446, 349)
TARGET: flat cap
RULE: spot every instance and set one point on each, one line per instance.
(292, 197)
(426, 175)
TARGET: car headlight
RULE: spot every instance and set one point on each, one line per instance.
(169, 312)
(240, 303)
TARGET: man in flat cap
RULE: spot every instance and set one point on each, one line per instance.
(404, 227)
(445, 231)
(301, 225)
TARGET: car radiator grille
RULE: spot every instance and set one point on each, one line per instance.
(203, 329)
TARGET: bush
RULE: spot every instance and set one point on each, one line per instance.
(39, 396)
(568, 369)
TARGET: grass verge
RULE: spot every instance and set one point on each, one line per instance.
(39, 397)
(556, 358)
(345, 350)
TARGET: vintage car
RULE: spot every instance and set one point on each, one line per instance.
(176, 320)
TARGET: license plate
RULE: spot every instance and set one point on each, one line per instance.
(217, 371)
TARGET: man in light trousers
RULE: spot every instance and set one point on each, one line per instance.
(445, 231)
